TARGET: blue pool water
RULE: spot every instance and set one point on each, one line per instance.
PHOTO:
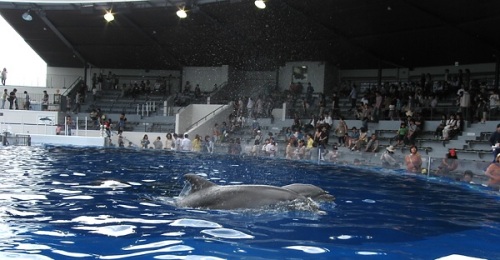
(91, 203)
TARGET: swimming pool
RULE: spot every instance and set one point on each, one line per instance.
(94, 203)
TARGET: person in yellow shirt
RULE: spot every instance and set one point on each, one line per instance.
(197, 143)
(309, 146)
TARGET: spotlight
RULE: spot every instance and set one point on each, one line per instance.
(109, 16)
(260, 4)
(182, 14)
(27, 16)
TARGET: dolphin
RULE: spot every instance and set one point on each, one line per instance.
(45, 119)
(310, 191)
(205, 194)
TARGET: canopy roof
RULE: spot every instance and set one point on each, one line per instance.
(348, 33)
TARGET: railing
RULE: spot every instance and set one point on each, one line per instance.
(205, 118)
(72, 86)
(146, 108)
(222, 86)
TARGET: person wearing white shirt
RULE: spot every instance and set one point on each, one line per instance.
(177, 141)
(271, 148)
(329, 120)
(186, 144)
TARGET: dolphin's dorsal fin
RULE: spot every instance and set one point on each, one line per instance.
(197, 182)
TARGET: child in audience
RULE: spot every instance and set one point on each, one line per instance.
(401, 134)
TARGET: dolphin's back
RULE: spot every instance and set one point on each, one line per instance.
(208, 195)
(239, 197)
(310, 191)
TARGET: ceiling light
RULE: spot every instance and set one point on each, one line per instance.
(182, 14)
(109, 16)
(27, 16)
(260, 4)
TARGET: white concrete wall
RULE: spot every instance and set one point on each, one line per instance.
(206, 128)
(38, 139)
(206, 77)
(193, 113)
(61, 78)
(405, 73)
(401, 74)
(28, 117)
(315, 75)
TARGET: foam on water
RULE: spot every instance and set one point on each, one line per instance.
(308, 249)
(226, 233)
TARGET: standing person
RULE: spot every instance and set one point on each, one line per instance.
(107, 127)
(290, 150)
(4, 97)
(94, 95)
(158, 144)
(341, 131)
(45, 101)
(494, 101)
(4, 76)
(120, 141)
(209, 144)
(186, 144)
(26, 100)
(250, 105)
(196, 144)
(378, 106)
(169, 142)
(449, 163)
(121, 123)
(216, 133)
(495, 142)
(413, 161)
(493, 173)
(13, 99)
(177, 142)
(69, 124)
(335, 105)
(68, 104)
(353, 96)
(309, 93)
(145, 142)
(78, 100)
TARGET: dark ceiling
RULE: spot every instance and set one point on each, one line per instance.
(348, 33)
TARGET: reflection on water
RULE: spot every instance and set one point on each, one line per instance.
(63, 203)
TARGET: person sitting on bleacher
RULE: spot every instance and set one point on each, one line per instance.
(412, 133)
(297, 124)
(350, 139)
(363, 138)
(438, 134)
(451, 125)
(401, 134)
(495, 142)
(372, 145)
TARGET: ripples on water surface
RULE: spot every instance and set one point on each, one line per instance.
(78, 203)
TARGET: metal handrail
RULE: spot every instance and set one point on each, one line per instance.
(204, 118)
(223, 85)
(68, 90)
